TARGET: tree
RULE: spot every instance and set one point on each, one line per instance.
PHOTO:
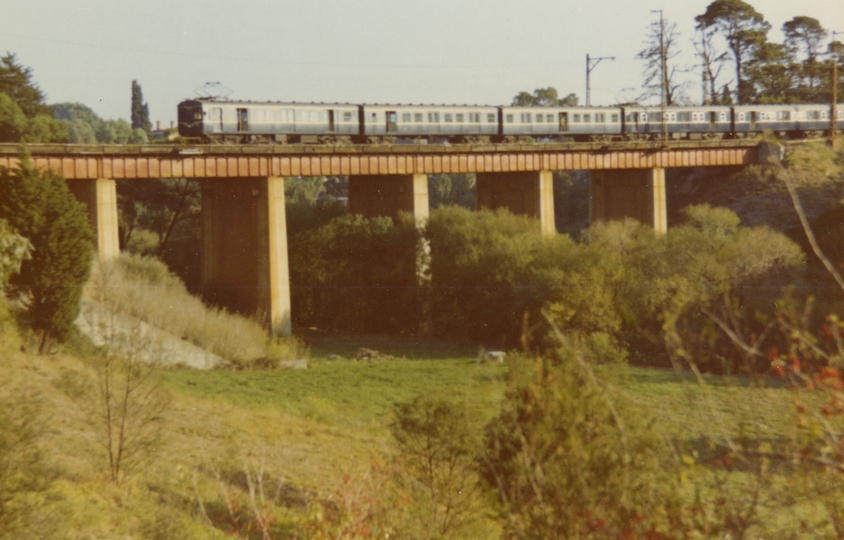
(566, 461)
(437, 449)
(40, 207)
(14, 249)
(768, 75)
(804, 36)
(140, 110)
(661, 45)
(544, 97)
(16, 82)
(12, 120)
(712, 62)
(744, 30)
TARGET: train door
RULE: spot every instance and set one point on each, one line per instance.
(392, 122)
(217, 119)
(713, 118)
(331, 121)
(564, 121)
(753, 121)
(243, 120)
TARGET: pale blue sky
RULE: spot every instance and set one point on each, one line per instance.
(397, 51)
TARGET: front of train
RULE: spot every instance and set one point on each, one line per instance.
(190, 119)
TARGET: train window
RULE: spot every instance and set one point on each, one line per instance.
(475, 117)
(643, 117)
(587, 118)
(600, 118)
(684, 117)
(347, 116)
(459, 118)
(434, 117)
(405, 117)
(508, 118)
(841, 114)
(576, 118)
(525, 118)
(539, 118)
(823, 115)
(448, 117)
(490, 118)
(614, 118)
(723, 117)
(417, 117)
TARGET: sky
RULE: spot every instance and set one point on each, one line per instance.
(356, 51)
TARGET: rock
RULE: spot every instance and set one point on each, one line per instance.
(496, 356)
(293, 364)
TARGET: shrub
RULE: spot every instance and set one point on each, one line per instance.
(438, 452)
(357, 275)
(492, 274)
(39, 206)
(565, 459)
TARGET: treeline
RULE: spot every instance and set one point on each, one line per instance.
(490, 278)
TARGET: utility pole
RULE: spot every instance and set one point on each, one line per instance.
(591, 63)
(833, 112)
(663, 63)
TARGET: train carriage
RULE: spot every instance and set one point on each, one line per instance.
(239, 121)
(424, 120)
(680, 122)
(580, 123)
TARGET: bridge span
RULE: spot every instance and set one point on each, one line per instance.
(244, 231)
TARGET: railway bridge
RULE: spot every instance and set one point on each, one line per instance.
(244, 231)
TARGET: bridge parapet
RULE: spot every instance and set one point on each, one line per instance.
(258, 161)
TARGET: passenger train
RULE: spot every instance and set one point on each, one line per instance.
(215, 120)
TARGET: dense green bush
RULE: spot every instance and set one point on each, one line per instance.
(357, 275)
(39, 206)
(685, 292)
(568, 457)
(492, 274)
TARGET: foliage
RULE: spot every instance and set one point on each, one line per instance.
(446, 189)
(567, 460)
(544, 97)
(24, 471)
(701, 277)
(170, 208)
(437, 450)
(85, 127)
(16, 83)
(492, 274)
(743, 28)
(357, 275)
(144, 288)
(14, 249)
(40, 207)
(140, 110)
(15, 126)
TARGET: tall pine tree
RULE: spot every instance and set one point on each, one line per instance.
(140, 110)
(40, 207)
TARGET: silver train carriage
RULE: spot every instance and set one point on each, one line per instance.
(223, 121)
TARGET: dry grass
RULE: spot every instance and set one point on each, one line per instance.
(144, 288)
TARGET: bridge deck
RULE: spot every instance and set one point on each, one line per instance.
(209, 161)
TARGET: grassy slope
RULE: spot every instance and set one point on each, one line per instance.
(307, 427)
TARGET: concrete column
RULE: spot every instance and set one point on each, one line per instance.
(100, 197)
(525, 193)
(387, 195)
(634, 193)
(244, 248)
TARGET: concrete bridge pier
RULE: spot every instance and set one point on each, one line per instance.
(244, 248)
(376, 195)
(525, 193)
(634, 193)
(100, 197)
